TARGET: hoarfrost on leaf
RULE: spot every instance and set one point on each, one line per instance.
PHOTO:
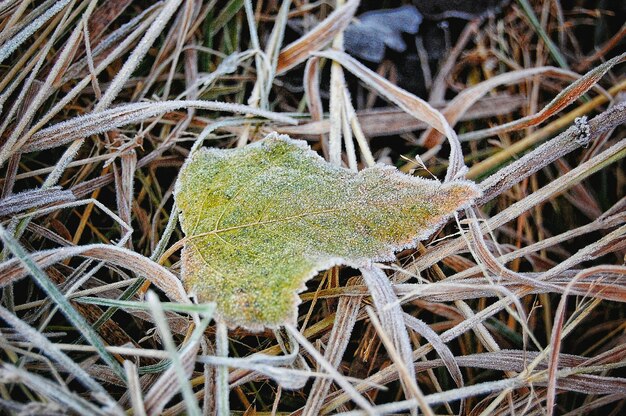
(263, 219)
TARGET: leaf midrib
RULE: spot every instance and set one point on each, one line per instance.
(265, 222)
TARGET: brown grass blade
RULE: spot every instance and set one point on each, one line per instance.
(314, 99)
(466, 98)
(410, 103)
(298, 51)
(543, 155)
(124, 184)
(555, 347)
(562, 100)
(391, 121)
(312, 89)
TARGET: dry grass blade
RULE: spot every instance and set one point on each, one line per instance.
(602, 223)
(545, 154)
(386, 121)
(339, 379)
(557, 339)
(267, 62)
(611, 155)
(394, 333)
(345, 318)
(444, 352)
(469, 323)
(298, 51)
(488, 262)
(12, 270)
(134, 388)
(562, 100)
(404, 373)
(12, 44)
(53, 392)
(336, 106)
(508, 360)
(314, 100)
(276, 39)
(491, 387)
(36, 198)
(410, 103)
(51, 350)
(222, 389)
(312, 89)
(99, 122)
(612, 241)
(592, 405)
(466, 98)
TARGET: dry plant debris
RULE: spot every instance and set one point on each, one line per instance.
(513, 305)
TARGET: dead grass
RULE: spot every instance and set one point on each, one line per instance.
(514, 308)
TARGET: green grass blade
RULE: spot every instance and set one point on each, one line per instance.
(166, 336)
(57, 297)
(206, 309)
(554, 50)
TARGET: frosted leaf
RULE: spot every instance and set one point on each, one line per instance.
(263, 219)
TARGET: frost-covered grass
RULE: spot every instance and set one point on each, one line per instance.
(514, 305)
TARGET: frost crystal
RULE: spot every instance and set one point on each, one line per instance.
(583, 133)
(263, 219)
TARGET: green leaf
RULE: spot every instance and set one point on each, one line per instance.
(263, 219)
